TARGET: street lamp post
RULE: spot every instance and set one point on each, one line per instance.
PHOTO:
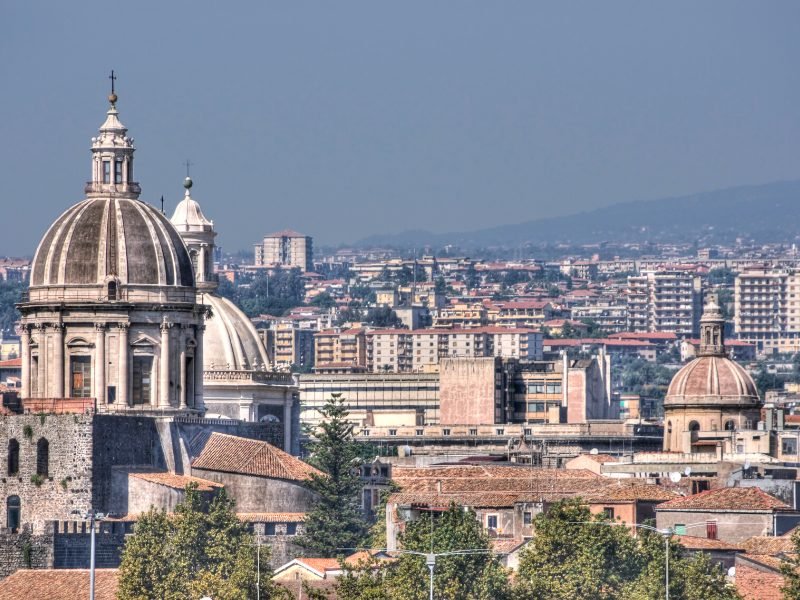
(92, 516)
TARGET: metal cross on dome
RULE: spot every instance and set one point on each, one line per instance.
(113, 78)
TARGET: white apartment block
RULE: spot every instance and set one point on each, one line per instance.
(665, 300)
(287, 249)
(767, 309)
(420, 350)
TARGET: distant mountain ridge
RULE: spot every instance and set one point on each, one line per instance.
(765, 212)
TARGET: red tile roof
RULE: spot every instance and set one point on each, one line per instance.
(176, 481)
(765, 544)
(691, 542)
(59, 584)
(232, 454)
(727, 499)
(11, 362)
(756, 584)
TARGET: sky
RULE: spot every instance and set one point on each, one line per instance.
(348, 119)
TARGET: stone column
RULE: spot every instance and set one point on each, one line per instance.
(122, 368)
(58, 360)
(182, 367)
(287, 423)
(41, 384)
(201, 264)
(197, 401)
(100, 363)
(163, 380)
(25, 349)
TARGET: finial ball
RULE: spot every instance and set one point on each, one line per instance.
(187, 183)
(112, 97)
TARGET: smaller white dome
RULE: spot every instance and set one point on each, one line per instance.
(188, 216)
(230, 341)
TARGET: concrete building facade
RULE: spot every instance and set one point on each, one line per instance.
(285, 249)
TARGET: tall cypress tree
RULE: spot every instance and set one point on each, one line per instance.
(336, 523)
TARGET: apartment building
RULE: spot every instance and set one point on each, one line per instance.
(609, 318)
(289, 344)
(340, 347)
(405, 350)
(665, 300)
(520, 313)
(767, 309)
(287, 249)
(463, 315)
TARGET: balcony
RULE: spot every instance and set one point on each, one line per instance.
(130, 187)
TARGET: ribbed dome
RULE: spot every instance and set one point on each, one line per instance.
(230, 341)
(102, 238)
(712, 380)
(188, 217)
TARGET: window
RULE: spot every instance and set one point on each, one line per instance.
(420, 432)
(499, 431)
(536, 387)
(536, 406)
(81, 369)
(528, 431)
(527, 518)
(141, 382)
(730, 425)
(393, 432)
(118, 171)
(42, 457)
(711, 530)
(106, 171)
(491, 521)
(789, 445)
(269, 529)
(291, 529)
(112, 290)
(473, 432)
(445, 432)
(13, 513)
(553, 387)
(694, 426)
(608, 512)
(365, 432)
(13, 457)
(679, 529)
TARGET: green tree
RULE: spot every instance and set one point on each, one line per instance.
(383, 316)
(202, 549)
(336, 522)
(790, 569)
(10, 293)
(323, 300)
(573, 557)
(475, 576)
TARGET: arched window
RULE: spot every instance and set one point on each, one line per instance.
(694, 426)
(112, 290)
(730, 425)
(42, 457)
(13, 456)
(13, 513)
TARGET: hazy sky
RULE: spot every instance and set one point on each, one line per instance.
(345, 119)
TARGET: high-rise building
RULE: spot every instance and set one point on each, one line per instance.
(767, 309)
(665, 300)
(287, 249)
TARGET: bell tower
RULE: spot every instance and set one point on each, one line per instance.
(712, 329)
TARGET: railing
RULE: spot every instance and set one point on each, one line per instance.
(59, 406)
(129, 187)
(276, 377)
(63, 294)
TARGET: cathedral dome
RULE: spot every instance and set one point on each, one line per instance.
(188, 217)
(118, 238)
(712, 380)
(230, 341)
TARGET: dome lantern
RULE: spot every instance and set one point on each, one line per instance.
(712, 329)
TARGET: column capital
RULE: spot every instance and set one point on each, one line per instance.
(57, 327)
(165, 325)
(123, 326)
(99, 327)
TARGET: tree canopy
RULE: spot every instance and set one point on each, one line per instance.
(336, 522)
(202, 549)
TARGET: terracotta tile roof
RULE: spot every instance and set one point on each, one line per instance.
(11, 362)
(59, 584)
(506, 545)
(474, 499)
(630, 491)
(232, 454)
(764, 544)
(272, 517)
(178, 482)
(492, 471)
(765, 560)
(320, 564)
(366, 555)
(755, 584)
(600, 458)
(728, 499)
(691, 542)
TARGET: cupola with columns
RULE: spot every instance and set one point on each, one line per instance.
(111, 315)
(198, 234)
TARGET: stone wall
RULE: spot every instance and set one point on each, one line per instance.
(72, 544)
(25, 550)
(281, 545)
(260, 494)
(68, 485)
(467, 393)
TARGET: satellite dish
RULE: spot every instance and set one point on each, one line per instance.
(594, 451)
(687, 471)
(746, 465)
(675, 477)
(732, 572)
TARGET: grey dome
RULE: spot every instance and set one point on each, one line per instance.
(102, 238)
(230, 341)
